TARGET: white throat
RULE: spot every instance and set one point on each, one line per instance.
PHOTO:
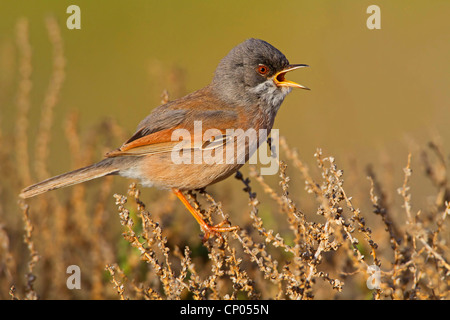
(272, 95)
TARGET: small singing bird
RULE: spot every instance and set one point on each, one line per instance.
(246, 92)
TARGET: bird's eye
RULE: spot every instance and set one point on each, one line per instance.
(262, 69)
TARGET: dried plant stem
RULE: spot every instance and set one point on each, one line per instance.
(403, 191)
(113, 270)
(51, 98)
(34, 256)
(152, 234)
(23, 102)
(433, 252)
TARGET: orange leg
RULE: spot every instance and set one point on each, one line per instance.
(207, 229)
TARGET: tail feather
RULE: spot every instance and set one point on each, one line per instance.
(100, 169)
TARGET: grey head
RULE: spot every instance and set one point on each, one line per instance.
(252, 73)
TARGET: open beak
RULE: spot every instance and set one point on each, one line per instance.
(280, 81)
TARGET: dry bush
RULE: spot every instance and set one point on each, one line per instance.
(307, 258)
(302, 235)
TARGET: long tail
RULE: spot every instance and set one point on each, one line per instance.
(97, 170)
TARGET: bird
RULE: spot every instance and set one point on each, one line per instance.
(246, 92)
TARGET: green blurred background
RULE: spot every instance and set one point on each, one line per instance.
(370, 88)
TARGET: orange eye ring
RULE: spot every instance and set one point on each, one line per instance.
(262, 69)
